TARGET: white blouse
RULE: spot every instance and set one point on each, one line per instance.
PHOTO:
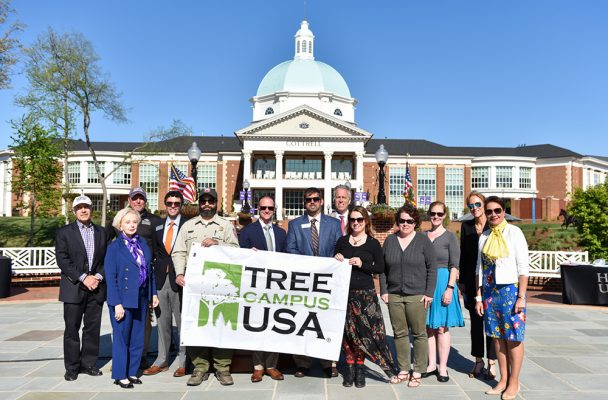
(508, 269)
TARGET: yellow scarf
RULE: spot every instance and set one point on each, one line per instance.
(496, 247)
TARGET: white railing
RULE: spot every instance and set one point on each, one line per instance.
(31, 260)
(546, 263)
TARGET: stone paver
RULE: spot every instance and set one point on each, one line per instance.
(566, 357)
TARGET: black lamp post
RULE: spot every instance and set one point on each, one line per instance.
(381, 158)
(246, 207)
(194, 154)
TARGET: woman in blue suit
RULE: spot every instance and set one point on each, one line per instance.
(131, 287)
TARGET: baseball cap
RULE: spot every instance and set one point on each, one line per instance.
(81, 200)
(207, 192)
(137, 190)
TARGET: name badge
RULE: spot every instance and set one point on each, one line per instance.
(159, 228)
(146, 222)
(304, 226)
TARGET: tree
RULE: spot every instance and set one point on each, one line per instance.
(177, 129)
(36, 168)
(78, 76)
(8, 43)
(590, 208)
(216, 289)
(47, 97)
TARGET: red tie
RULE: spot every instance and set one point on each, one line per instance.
(342, 224)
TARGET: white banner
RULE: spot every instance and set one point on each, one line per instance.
(258, 300)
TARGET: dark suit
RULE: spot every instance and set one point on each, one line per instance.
(122, 275)
(80, 305)
(253, 236)
(169, 296)
(299, 241)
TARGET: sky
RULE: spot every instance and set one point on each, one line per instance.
(458, 73)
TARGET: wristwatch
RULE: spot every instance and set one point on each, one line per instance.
(450, 286)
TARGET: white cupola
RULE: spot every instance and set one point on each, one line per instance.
(304, 43)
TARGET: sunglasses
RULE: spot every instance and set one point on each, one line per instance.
(496, 211)
(474, 205)
(436, 214)
(173, 203)
(358, 220)
(208, 201)
(264, 208)
(312, 199)
(407, 221)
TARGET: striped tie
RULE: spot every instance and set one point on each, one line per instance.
(315, 236)
(342, 225)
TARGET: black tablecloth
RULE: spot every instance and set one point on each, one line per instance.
(584, 284)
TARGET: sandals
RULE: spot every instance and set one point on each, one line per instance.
(414, 381)
(402, 376)
(476, 372)
(394, 380)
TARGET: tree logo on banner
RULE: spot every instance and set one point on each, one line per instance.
(220, 293)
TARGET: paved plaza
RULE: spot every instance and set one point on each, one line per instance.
(566, 358)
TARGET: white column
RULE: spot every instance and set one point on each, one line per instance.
(359, 170)
(278, 185)
(247, 165)
(327, 183)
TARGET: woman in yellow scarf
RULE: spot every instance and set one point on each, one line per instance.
(502, 276)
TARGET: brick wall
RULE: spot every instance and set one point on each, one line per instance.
(551, 181)
(440, 185)
(234, 182)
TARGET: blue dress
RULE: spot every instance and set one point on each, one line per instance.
(440, 314)
(500, 319)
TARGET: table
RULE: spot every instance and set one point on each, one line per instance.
(584, 284)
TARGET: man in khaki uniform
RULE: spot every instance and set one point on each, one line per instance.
(209, 230)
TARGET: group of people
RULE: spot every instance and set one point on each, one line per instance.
(420, 273)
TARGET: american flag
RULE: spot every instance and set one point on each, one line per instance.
(179, 181)
(408, 178)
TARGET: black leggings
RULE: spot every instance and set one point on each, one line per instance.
(477, 338)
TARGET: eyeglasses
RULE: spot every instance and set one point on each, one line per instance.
(496, 211)
(474, 205)
(436, 214)
(208, 201)
(312, 199)
(358, 220)
(407, 221)
(264, 208)
(173, 203)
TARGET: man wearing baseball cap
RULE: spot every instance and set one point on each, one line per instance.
(209, 229)
(80, 248)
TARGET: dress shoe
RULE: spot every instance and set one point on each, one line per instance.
(274, 374)
(301, 372)
(135, 380)
(155, 369)
(179, 372)
(429, 373)
(348, 375)
(123, 385)
(510, 396)
(197, 378)
(359, 375)
(496, 390)
(327, 372)
(70, 376)
(224, 378)
(257, 376)
(442, 378)
(334, 372)
(93, 371)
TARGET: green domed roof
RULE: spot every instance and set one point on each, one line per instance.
(308, 76)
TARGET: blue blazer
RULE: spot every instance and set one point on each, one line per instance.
(253, 236)
(299, 239)
(122, 274)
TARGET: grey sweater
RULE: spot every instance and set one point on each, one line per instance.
(447, 250)
(409, 272)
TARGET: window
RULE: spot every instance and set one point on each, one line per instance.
(597, 178)
(426, 185)
(115, 202)
(504, 177)
(454, 191)
(525, 178)
(263, 168)
(298, 46)
(341, 169)
(148, 180)
(396, 185)
(303, 46)
(293, 203)
(269, 111)
(338, 112)
(480, 177)
(92, 174)
(97, 200)
(122, 175)
(297, 168)
(259, 193)
(207, 176)
(310, 46)
(73, 171)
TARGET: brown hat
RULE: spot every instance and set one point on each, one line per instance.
(207, 192)
(137, 190)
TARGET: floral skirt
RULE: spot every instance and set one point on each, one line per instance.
(500, 319)
(439, 315)
(364, 329)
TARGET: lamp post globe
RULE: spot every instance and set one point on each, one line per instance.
(381, 159)
(194, 154)
(246, 206)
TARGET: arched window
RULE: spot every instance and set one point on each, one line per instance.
(298, 47)
(310, 47)
(269, 111)
(303, 46)
(338, 112)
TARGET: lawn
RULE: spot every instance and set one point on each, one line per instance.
(549, 236)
